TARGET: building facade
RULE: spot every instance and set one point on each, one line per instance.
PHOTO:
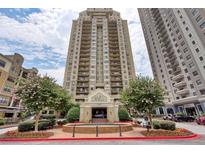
(175, 40)
(99, 63)
(11, 72)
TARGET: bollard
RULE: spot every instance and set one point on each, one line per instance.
(74, 131)
(96, 130)
(120, 130)
(148, 126)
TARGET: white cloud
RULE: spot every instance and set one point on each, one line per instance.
(58, 74)
(51, 28)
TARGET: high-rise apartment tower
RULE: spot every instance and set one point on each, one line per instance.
(99, 63)
(175, 40)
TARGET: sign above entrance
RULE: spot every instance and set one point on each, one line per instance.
(99, 97)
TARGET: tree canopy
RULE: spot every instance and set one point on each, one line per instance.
(143, 95)
(38, 93)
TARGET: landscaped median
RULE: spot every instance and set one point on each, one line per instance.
(138, 133)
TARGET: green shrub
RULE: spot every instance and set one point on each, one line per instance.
(30, 125)
(44, 125)
(203, 114)
(123, 114)
(73, 114)
(166, 125)
(26, 126)
(180, 114)
(2, 122)
(156, 125)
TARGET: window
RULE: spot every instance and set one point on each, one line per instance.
(188, 77)
(190, 35)
(179, 37)
(202, 91)
(192, 86)
(185, 50)
(187, 28)
(191, 64)
(2, 63)
(201, 58)
(197, 49)
(195, 73)
(198, 19)
(202, 25)
(194, 12)
(198, 82)
(188, 57)
(193, 42)
(182, 43)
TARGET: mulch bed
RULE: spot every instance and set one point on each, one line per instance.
(160, 132)
(30, 134)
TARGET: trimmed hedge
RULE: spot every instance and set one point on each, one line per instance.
(166, 125)
(123, 115)
(30, 125)
(26, 126)
(2, 122)
(73, 114)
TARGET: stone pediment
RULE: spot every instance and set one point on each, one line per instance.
(98, 96)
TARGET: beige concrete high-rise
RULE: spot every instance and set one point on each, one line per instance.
(175, 40)
(99, 63)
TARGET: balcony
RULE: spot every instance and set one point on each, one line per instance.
(115, 64)
(83, 69)
(116, 79)
(83, 85)
(84, 59)
(114, 59)
(177, 71)
(183, 91)
(180, 84)
(84, 74)
(115, 68)
(116, 85)
(177, 77)
(116, 74)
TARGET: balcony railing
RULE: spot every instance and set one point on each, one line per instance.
(183, 91)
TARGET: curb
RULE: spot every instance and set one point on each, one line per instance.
(193, 136)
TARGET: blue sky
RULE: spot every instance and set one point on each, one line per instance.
(42, 36)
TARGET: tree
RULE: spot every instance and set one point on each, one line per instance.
(36, 94)
(143, 95)
(63, 100)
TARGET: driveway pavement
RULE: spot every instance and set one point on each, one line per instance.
(194, 127)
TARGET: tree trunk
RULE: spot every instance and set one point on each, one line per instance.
(150, 119)
(36, 122)
(58, 114)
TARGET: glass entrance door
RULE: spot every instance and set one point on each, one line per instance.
(99, 113)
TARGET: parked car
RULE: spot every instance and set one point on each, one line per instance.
(201, 120)
(168, 117)
(183, 118)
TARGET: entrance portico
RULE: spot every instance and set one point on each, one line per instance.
(99, 104)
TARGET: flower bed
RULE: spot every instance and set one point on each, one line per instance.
(16, 134)
(160, 132)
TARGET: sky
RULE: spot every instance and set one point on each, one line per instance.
(42, 37)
